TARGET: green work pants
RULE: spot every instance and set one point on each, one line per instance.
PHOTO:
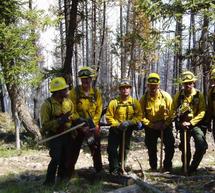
(58, 150)
(151, 138)
(200, 147)
(114, 148)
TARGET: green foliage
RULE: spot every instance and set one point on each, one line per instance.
(18, 55)
(9, 10)
(19, 52)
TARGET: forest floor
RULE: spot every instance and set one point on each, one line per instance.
(24, 171)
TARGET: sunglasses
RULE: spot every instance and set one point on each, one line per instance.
(84, 73)
(125, 86)
(187, 77)
(153, 80)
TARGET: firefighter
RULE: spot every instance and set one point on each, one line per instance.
(211, 104)
(57, 114)
(88, 104)
(156, 105)
(123, 113)
(189, 123)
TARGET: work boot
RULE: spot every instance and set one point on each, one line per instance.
(152, 170)
(167, 169)
(117, 172)
(191, 170)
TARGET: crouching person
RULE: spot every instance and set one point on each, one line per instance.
(123, 114)
(190, 104)
(57, 114)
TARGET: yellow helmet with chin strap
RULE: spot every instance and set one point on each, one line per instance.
(58, 84)
(153, 78)
(86, 72)
(188, 76)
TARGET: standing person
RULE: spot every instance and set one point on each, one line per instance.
(189, 104)
(211, 103)
(123, 113)
(57, 114)
(88, 104)
(156, 106)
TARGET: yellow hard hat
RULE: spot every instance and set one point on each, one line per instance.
(124, 83)
(153, 78)
(86, 72)
(57, 84)
(188, 76)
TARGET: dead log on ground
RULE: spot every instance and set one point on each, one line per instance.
(144, 185)
(128, 189)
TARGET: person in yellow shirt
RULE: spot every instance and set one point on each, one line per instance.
(189, 103)
(57, 114)
(156, 105)
(88, 104)
(124, 115)
(211, 104)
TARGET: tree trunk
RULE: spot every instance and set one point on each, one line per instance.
(94, 35)
(62, 35)
(17, 128)
(19, 105)
(123, 68)
(86, 34)
(204, 51)
(2, 105)
(70, 35)
(102, 39)
(191, 32)
(177, 69)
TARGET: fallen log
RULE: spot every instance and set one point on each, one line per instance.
(128, 189)
(179, 177)
(123, 180)
(144, 185)
(147, 187)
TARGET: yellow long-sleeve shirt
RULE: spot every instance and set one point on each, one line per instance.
(119, 111)
(211, 104)
(51, 110)
(197, 106)
(87, 106)
(156, 108)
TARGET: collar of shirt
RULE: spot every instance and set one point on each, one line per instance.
(90, 93)
(193, 92)
(129, 100)
(157, 96)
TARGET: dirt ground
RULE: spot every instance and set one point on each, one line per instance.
(36, 161)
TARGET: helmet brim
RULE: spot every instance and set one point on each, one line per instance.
(153, 83)
(186, 81)
(55, 90)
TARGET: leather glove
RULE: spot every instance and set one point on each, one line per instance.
(186, 125)
(80, 120)
(124, 125)
(91, 124)
(139, 126)
(64, 118)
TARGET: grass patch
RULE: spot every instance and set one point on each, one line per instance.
(16, 184)
(10, 152)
